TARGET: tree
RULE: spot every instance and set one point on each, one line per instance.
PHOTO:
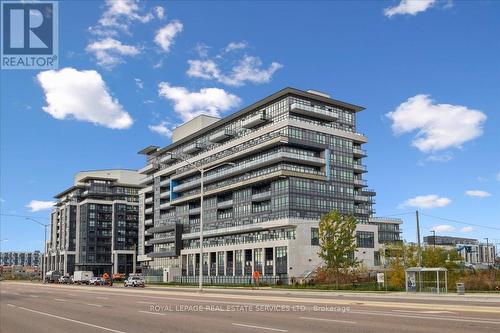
(337, 241)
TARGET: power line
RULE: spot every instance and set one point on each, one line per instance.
(399, 214)
(25, 216)
(460, 222)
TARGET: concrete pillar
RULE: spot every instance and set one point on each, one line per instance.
(134, 262)
(274, 260)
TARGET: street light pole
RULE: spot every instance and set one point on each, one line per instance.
(202, 191)
(44, 244)
(433, 239)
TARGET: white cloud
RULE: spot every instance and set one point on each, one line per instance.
(466, 229)
(139, 83)
(427, 201)
(165, 36)
(202, 49)
(109, 52)
(438, 126)
(247, 69)
(187, 104)
(119, 15)
(410, 7)
(235, 46)
(477, 193)
(160, 12)
(82, 95)
(161, 129)
(443, 228)
(37, 205)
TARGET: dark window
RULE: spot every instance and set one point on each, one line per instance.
(365, 239)
(314, 236)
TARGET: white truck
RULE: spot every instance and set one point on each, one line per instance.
(82, 277)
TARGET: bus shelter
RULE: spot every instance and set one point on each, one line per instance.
(426, 279)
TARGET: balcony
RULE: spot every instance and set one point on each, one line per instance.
(225, 204)
(261, 196)
(165, 182)
(148, 222)
(146, 180)
(359, 182)
(312, 111)
(163, 240)
(358, 152)
(255, 121)
(194, 211)
(165, 205)
(148, 200)
(163, 254)
(168, 158)
(362, 211)
(221, 136)
(361, 198)
(164, 194)
(359, 168)
(193, 148)
(249, 165)
(148, 210)
(149, 167)
(369, 192)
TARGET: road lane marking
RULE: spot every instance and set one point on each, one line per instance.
(97, 305)
(260, 327)
(11, 305)
(70, 320)
(478, 320)
(154, 313)
(34, 296)
(331, 320)
(143, 302)
(426, 312)
(102, 297)
(60, 300)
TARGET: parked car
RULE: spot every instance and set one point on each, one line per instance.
(65, 279)
(134, 281)
(82, 277)
(97, 281)
(52, 276)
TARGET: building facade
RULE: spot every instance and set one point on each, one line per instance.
(11, 258)
(94, 224)
(388, 229)
(472, 251)
(272, 170)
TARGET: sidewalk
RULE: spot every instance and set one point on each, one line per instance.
(451, 296)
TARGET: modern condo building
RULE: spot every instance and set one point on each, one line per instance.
(271, 170)
(94, 224)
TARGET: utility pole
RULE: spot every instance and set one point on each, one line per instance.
(433, 239)
(418, 240)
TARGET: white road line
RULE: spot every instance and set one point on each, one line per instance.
(60, 299)
(260, 327)
(34, 296)
(330, 320)
(154, 313)
(426, 312)
(102, 297)
(11, 305)
(142, 302)
(97, 305)
(71, 320)
(478, 320)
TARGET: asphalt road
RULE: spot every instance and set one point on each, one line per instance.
(26, 308)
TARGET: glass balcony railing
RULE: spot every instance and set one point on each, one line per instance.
(313, 111)
(251, 164)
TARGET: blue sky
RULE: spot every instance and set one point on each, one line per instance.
(427, 72)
